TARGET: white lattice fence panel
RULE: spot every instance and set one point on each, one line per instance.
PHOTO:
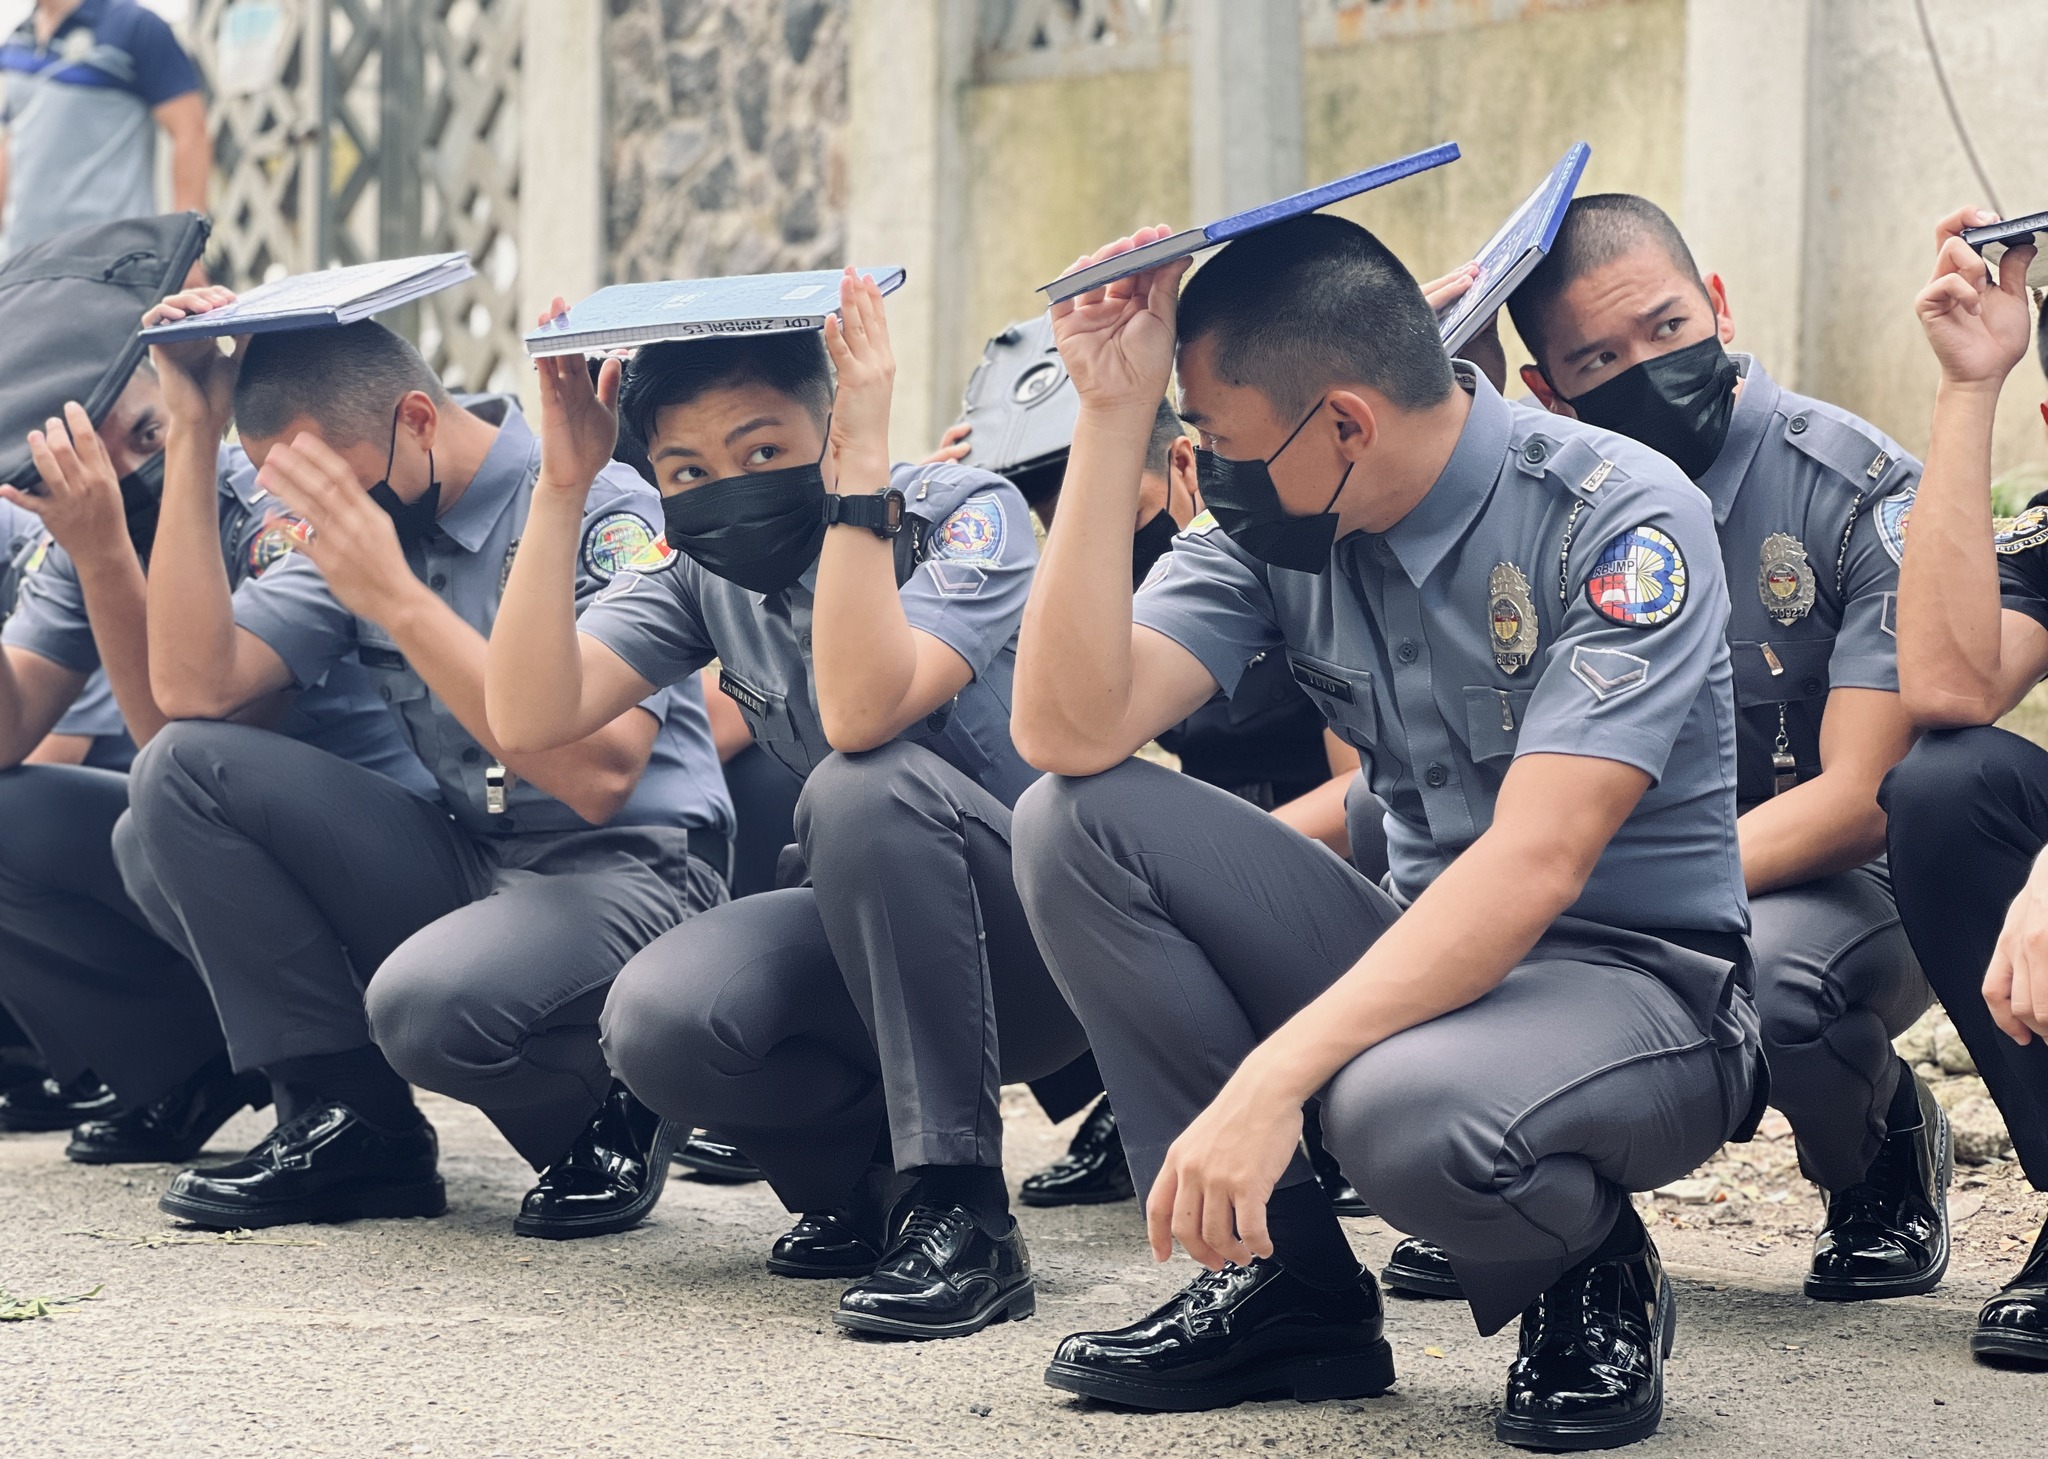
(266, 125)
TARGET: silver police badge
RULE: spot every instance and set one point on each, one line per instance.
(1784, 578)
(1511, 618)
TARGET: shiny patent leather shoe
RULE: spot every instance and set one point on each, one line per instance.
(329, 1164)
(1245, 1332)
(943, 1276)
(1887, 1235)
(2013, 1327)
(173, 1127)
(1590, 1369)
(610, 1179)
(47, 1105)
(712, 1160)
(1093, 1172)
(1419, 1268)
(823, 1244)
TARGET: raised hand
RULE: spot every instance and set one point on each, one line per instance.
(1117, 341)
(80, 502)
(1979, 327)
(579, 417)
(857, 339)
(952, 445)
(198, 379)
(349, 537)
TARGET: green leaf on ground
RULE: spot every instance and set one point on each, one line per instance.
(28, 1309)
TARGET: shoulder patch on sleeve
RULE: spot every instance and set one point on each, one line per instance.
(38, 554)
(1609, 672)
(618, 542)
(2013, 535)
(1891, 515)
(1202, 523)
(277, 541)
(974, 533)
(1639, 579)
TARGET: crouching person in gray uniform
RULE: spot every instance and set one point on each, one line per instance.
(356, 935)
(865, 620)
(1810, 503)
(1518, 621)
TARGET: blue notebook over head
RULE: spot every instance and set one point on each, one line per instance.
(323, 300)
(1194, 240)
(626, 315)
(1512, 254)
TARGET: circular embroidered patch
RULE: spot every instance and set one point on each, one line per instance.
(616, 543)
(974, 533)
(2017, 534)
(1891, 521)
(1639, 579)
(273, 544)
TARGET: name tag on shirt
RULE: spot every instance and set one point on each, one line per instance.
(742, 693)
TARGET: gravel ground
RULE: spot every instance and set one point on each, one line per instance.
(454, 1338)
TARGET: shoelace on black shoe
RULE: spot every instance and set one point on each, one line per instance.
(1582, 1319)
(929, 1228)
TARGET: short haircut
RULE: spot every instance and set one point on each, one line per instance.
(1314, 302)
(1166, 429)
(792, 362)
(347, 381)
(1597, 229)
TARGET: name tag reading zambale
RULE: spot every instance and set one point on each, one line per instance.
(752, 700)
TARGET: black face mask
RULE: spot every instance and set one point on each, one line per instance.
(414, 520)
(1241, 496)
(1678, 404)
(142, 493)
(762, 531)
(1153, 540)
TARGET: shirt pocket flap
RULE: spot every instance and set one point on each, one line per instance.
(396, 681)
(1493, 720)
(1781, 673)
(1344, 695)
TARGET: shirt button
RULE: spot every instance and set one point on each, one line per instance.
(471, 755)
(384, 691)
(438, 581)
(1435, 777)
(1812, 687)
(1798, 425)
(1535, 453)
(804, 639)
(1384, 548)
(1407, 652)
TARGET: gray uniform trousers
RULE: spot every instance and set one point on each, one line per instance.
(1836, 982)
(329, 907)
(80, 970)
(904, 979)
(1187, 926)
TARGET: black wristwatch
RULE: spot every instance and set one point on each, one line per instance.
(881, 514)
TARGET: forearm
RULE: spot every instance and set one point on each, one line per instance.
(1828, 825)
(863, 649)
(1319, 815)
(592, 775)
(191, 169)
(1949, 606)
(1074, 657)
(117, 603)
(534, 667)
(191, 615)
(1454, 945)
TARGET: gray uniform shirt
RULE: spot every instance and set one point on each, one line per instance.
(1811, 505)
(338, 713)
(974, 553)
(1558, 591)
(467, 560)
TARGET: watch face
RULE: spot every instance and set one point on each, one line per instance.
(892, 511)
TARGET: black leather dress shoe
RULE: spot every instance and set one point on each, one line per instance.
(1093, 1172)
(1418, 1268)
(1344, 1197)
(823, 1244)
(2013, 1327)
(610, 1179)
(48, 1105)
(1245, 1332)
(711, 1159)
(1590, 1370)
(173, 1127)
(1887, 1235)
(943, 1276)
(329, 1164)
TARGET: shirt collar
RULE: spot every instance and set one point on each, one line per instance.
(512, 461)
(1436, 524)
(87, 14)
(1754, 408)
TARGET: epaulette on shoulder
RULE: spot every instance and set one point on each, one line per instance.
(1849, 448)
(1571, 461)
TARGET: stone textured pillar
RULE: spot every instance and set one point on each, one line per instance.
(1245, 104)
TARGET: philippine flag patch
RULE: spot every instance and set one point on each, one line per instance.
(1639, 579)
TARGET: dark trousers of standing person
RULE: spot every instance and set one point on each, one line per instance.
(1968, 813)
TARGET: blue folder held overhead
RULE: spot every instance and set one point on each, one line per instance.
(323, 300)
(1194, 240)
(627, 315)
(1512, 254)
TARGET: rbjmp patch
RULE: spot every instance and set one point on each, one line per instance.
(974, 533)
(1639, 579)
(616, 543)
